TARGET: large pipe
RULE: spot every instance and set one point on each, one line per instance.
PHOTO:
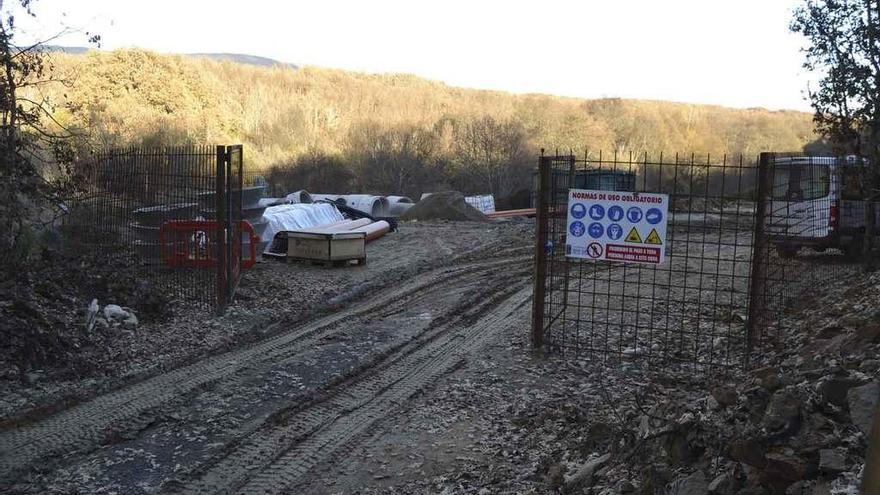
(301, 196)
(376, 206)
(374, 230)
(392, 200)
(398, 209)
(354, 224)
(328, 197)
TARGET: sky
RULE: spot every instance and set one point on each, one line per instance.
(733, 53)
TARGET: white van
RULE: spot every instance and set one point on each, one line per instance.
(816, 202)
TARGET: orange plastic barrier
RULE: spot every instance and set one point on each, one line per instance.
(193, 243)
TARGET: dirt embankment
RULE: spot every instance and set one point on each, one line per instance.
(447, 205)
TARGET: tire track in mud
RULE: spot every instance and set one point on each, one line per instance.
(87, 425)
(277, 456)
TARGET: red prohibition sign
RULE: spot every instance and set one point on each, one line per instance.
(594, 250)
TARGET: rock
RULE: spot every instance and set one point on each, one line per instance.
(712, 404)
(861, 338)
(115, 313)
(748, 452)
(862, 401)
(625, 487)
(723, 484)
(583, 477)
(678, 449)
(831, 461)
(833, 390)
(783, 412)
(694, 484)
(869, 365)
(91, 314)
(131, 322)
(725, 396)
(556, 476)
(768, 378)
(781, 471)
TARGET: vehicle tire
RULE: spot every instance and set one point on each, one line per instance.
(787, 252)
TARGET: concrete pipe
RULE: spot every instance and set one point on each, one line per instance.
(297, 197)
(392, 200)
(376, 206)
(398, 209)
(336, 198)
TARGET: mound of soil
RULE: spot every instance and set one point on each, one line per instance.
(447, 205)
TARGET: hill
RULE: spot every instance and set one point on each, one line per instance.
(353, 121)
(241, 58)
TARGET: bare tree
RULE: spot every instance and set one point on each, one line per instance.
(30, 137)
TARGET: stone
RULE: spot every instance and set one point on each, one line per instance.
(781, 471)
(723, 484)
(747, 451)
(115, 313)
(583, 477)
(862, 401)
(712, 404)
(91, 315)
(725, 396)
(869, 365)
(783, 412)
(833, 390)
(695, 484)
(625, 487)
(832, 461)
(768, 378)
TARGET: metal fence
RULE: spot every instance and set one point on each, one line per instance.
(164, 212)
(735, 256)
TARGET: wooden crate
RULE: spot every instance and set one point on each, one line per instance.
(329, 247)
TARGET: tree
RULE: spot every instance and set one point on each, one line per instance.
(844, 49)
(30, 138)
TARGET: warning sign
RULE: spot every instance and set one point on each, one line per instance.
(598, 220)
(653, 238)
(633, 236)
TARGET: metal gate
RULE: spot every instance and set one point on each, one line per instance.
(694, 307)
(740, 250)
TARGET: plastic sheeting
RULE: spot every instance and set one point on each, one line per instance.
(298, 217)
(485, 203)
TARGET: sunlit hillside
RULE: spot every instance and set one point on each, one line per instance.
(281, 114)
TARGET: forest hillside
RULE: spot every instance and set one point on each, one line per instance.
(353, 123)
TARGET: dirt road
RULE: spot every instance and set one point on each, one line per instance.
(260, 417)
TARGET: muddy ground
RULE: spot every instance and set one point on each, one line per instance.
(416, 376)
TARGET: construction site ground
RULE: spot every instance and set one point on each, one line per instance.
(414, 374)
(304, 347)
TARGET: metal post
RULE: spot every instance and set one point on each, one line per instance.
(760, 253)
(541, 220)
(221, 233)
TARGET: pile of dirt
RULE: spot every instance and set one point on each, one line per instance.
(447, 205)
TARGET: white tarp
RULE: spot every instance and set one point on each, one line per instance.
(298, 217)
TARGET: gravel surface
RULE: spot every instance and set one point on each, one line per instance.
(271, 296)
(416, 376)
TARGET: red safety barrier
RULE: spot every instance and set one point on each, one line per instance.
(194, 243)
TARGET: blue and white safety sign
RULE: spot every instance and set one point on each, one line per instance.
(617, 226)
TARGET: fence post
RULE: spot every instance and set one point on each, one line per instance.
(221, 212)
(760, 253)
(541, 220)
